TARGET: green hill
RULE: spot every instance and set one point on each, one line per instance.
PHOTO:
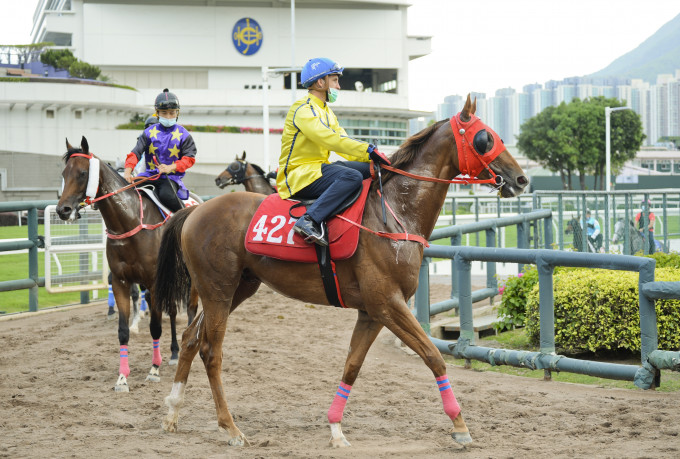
(660, 53)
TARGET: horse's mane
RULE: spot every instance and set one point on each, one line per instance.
(411, 148)
(257, 168)
(70, 152)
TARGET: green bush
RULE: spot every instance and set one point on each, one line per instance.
(511, 312)
(79, 69)
(598, 309)
(666, 260)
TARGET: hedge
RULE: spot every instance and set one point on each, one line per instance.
(598, 309)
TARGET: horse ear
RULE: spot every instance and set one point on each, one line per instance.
(244, 156)
(465, 113)
(473, 110)
(68, 145)
(85, 146)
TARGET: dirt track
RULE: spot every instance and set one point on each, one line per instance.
(282, 363)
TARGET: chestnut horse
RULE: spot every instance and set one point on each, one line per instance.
(249, 175)
(132, 256)
(204, 246)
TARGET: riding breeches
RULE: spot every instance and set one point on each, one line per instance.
(167, 193)
(337, 182)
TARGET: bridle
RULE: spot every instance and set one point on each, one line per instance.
(237, 170)
(89, 199)
(471, 161)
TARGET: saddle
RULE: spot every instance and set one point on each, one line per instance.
(271, 234)
(150, 191)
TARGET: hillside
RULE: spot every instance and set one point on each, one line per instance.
(660, 53)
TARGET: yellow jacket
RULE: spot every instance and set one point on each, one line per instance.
(310, 133)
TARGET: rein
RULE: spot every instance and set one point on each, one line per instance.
(141, 225)
(136, 181)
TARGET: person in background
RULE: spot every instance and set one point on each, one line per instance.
(593, 230)
(645, 219)
(311, 131)
(168, 148)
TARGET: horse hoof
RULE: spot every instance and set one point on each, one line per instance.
(154, 374)
(462, 438)
(170, 424)
(134, 329)
(236, 440)
(173, 362)
(339, 443)
(121, 384)
(111, 316)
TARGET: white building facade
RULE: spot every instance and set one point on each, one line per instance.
(211, 54)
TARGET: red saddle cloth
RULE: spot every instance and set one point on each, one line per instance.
(271, 234)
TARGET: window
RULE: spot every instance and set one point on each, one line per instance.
(49, 113)
(78, 114)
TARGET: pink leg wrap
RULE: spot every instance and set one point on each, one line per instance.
(451, 406)
(339, 402)
(157, 359)
(124, 368)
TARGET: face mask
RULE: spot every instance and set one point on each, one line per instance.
(333, 95)
(167, 122)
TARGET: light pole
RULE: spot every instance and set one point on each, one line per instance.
(608, 142)
(266, 71)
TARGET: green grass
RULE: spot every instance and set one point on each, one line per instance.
(517, 339)
(15, 266)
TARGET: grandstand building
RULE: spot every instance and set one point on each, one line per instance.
(228, 61)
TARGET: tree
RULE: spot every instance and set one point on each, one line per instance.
(572, 137)
(58, 58)
(545, 139)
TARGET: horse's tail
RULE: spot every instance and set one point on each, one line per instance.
(173, 283)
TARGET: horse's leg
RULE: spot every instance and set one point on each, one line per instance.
(134, 328)
(192, 307)
(400, 321)
(174, 347)
(121, 292)
(365, 332)
(196, 338)
(156, 329)
(191, 340)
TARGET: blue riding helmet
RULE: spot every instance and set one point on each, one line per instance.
(317, 68)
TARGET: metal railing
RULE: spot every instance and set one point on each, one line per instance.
(32, 243)
(645, 376)
(489, 227)
(607, 208)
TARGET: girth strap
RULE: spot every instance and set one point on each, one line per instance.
(328, 274)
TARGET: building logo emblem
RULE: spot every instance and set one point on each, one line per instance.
(247, 36)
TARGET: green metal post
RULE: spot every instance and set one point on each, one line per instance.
(33, 258)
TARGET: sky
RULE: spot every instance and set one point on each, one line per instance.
(485, 45)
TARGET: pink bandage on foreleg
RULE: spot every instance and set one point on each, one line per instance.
(124, 368)
(339, 402)
(157, 359)
(451, 406)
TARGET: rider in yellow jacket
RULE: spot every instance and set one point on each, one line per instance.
(310, 133)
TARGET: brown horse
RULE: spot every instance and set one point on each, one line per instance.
(242, 172)
(132, 259)
(207, 244)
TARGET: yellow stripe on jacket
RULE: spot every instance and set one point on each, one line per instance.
(310, 133)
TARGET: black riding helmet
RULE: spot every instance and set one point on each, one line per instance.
(153, 119)
(166, 101)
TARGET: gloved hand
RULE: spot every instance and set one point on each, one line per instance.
(376, 156)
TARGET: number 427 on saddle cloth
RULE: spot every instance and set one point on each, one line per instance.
(271, 234)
